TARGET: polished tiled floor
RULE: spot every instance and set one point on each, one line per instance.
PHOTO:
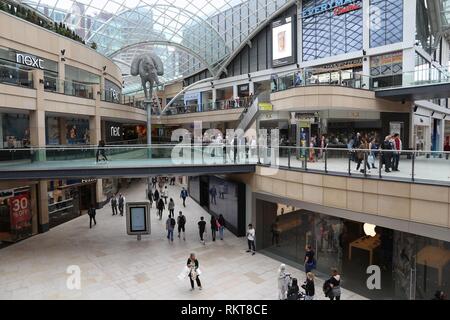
(117, 266)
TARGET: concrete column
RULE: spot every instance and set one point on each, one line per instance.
(1, 131)
(366, 25)
(251, 87)
(43, 206)
(95, 123)
(34, 209)
(235, 91)
(409, 23)
(37, 117)
(61, 74)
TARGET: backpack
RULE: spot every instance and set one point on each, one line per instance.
(172, 222)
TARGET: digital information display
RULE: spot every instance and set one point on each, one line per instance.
(283, 42)
(138, 218)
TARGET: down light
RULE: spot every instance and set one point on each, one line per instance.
(369, 229)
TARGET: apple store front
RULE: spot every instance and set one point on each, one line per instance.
(412, 266)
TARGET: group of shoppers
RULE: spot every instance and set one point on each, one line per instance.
(216, 225)
(367, 149)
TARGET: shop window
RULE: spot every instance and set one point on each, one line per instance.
(386, 70)
(15, 214)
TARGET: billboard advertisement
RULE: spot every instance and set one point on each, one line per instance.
(284, 46)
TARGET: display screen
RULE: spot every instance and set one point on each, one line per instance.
(283, 47)
(138, 219)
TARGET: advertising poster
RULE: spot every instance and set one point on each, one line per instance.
(20, 211)
(283, 42)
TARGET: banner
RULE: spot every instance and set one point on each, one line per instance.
(20, 211)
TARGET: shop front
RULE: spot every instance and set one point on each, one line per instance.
(339, 73)
(18, 213)
(67, 131)
(68, 199)
(412, 266)
(422, 133)
(14, 134)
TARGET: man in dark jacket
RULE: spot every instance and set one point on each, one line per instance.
(184, 195)
(91, 213)
(386, 146)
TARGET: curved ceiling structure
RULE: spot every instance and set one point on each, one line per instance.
(189, 35)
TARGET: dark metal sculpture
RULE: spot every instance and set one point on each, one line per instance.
(148, 66)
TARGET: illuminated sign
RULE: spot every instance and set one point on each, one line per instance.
(29, 61)
(339, 7)
(283, 42)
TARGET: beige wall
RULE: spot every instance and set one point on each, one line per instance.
(412, 202)
(318, 98)
(29, 38)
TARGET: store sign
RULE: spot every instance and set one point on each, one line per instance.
(349, 64)
(339, 7)
(265, 106)
(88, 180)
(20, 211)
(30, 61)
(115, 132)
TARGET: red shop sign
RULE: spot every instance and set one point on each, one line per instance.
(341, 10)
(20, 210)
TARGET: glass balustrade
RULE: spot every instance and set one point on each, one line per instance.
(16, 76)
(433, 166)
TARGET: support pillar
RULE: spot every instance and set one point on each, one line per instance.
(44, 220)
(37, 118)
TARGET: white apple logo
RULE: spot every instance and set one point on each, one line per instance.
(369, 229)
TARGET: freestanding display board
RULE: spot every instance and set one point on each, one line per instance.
(138, 218)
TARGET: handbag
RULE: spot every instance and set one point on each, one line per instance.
(218, 225)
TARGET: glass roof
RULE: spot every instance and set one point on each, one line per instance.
(189, 35)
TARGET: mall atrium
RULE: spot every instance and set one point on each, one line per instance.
(137, 133)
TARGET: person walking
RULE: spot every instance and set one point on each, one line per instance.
(150, 197)
(221, 222)
(386, 146)
(373, 146)
(283, 282)
(114, 205)
(363, 146)
(101, 151)
(92, 213)
(171, 207)
(160, 206)
(156, 196)
(165, 194)
(213, 228)
(335, 284)
(397, 146)
(121, 203)
(181, 221)
(184, 195)
(251, 239)
(202, 229)
(310, 261)
(154, 181)
(213, 193)
(193, 264)
(309, 287)
(170, 226)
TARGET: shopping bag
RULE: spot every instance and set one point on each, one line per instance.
(184, 273)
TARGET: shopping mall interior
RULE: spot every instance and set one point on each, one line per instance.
(325, 125)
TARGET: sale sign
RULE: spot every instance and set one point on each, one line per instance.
(20, 210)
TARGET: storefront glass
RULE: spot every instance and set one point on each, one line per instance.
(386, 22)
(331, 32)
(14, 130)
(411, 266)
(68, 198)
(63, 131)
(386, 70)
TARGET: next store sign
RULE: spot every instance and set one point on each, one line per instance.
(329, 6)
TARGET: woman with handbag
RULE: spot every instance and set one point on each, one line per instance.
(194, 271)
